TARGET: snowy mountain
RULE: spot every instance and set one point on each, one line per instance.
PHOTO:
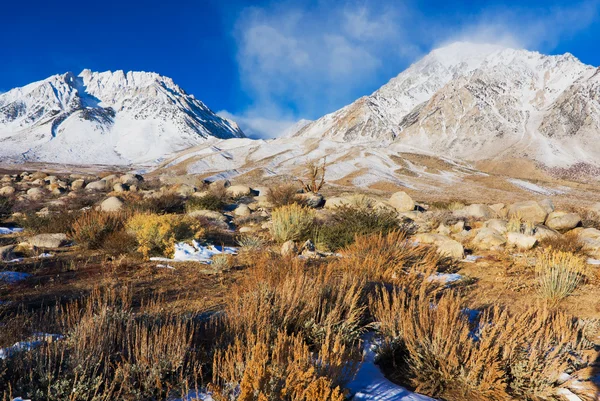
(105, 118)
(480, 102)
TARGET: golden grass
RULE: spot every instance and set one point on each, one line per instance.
(292, 222)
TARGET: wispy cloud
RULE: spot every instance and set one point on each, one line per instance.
(302, 60)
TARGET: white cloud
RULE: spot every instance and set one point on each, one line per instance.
(302, 60)
(256, 126)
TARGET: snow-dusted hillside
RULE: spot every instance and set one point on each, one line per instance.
(104, 118)
(475, 102)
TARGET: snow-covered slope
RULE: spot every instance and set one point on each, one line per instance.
(105, 118)
(476, 102)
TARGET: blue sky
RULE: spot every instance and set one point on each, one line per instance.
(268, 64)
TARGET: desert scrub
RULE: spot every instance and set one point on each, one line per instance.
(498, 356)
(283, 194)
(558, 273)
(347, 222)
(251, 242)
(162, 203)
(212, 200)
(157, 234)
(292, 222)
(50, 223)
(91, 227)
(6, 206)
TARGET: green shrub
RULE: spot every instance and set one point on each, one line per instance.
(292, 222)
(157, 234)
(210, 201)
(347, 222)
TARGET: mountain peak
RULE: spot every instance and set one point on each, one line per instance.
(105, 117)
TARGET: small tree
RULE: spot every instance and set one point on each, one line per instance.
(316, 176)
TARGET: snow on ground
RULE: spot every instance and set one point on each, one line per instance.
(371, 385)
(529, 186)
(13, 277)
(185, 252)
(36, 340)
(445, 277)
(8, 230)
(195, 395)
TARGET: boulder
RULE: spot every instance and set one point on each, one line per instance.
(35, 193)
(312, 200)
(77, 184)
(118, 187)
(112, 204)
(528, 211)
(6, 178)
(488, 238)
(100, 185)
(209, 214)
(500, 209)
(48, 240)
(542, 232)
(242, 210)
(336, 201)
(497, 224)
(237, 191)
(289, 248)
(110, 179)
(131, 179)
(219, 184)
(7, 191)
(184, 190)
(477, 211)
(402, 202)
(520, 240)
(547, 205)
(445, 246)
(561, 221)
(590, 239)
(38, 175)
(245, 230)
(7, 253)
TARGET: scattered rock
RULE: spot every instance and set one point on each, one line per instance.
(7, 253)
(521, 241)
(547, 205)
(242, 210)
(590, 238)
(500, 209)
(542, 232)
(7, 191)
(100, 185)
(402, 202)
(131, 179)
(219, 184)
(209, 214)
(237, 191)
(47, 240)
(289, 248)
(110, 179)
(312, 200)
(497, 224)
(112, 204)
(561, 221)
(477, 211)
(184, 190)
(118, 187)
(528, 211)
(77, 184)
(336, 201)
(245, 230)
(445, 246)
(35, 193)
(488, 238)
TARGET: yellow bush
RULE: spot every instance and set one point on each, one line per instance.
(559, 273)
(157, 234)
(292, 222)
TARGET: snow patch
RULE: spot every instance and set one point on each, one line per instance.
(8, 230)
(195, 252)
(13, 277)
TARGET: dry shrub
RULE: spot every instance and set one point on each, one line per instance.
(162, 203)
(279, 294)
(157, 234)
(119, 242)
(51, 223)
(281, 367)
(92, 227)
(498, 357)
(109, 352)
(292, 222)
(568, 242)
(283, 194)
(211, 200)
(391, 258)
(558, 274)
(348, 221)
(6, 206)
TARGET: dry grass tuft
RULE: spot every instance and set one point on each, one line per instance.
(92, 227)
(283, 194)
(558, 274)
(292, 222)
